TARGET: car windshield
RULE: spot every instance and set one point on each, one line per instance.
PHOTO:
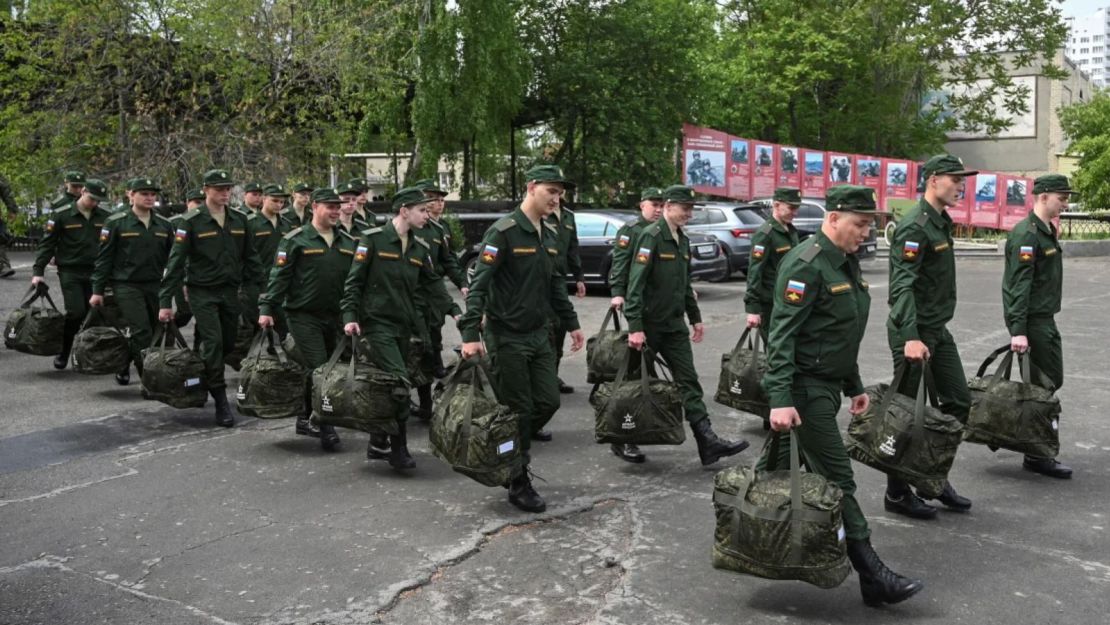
(749, 216)
(590, 225)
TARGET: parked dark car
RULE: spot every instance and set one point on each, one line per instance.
(808, 221)
(732, 226)
(597, 233)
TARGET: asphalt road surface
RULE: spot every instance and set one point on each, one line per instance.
(118, 510)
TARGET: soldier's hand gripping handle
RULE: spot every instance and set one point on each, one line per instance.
(916, 351)
(469, 350)
(352, 329)
(783, 419)
(165, 315)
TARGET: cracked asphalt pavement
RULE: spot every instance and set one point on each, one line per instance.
(118, 510)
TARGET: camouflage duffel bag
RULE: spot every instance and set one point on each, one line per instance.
(271, 384)
(35, 329)
(294, 352)
(100, 348)
(740, 385)
(416, 361)
(782, 525)
(903, 437)
(358, 395)
(1020, 416)
(244, 337)
(605, 350)
(173, 374)
(647, 411)
(471, 430)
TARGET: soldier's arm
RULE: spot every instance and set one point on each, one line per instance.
(1017, 282)
(253, 272)
(426, 278)
(754, 293)
(450, 262)
(638, 276)
(484, 272)
(281, 275)
(618, 271)
(574, 259)
(105, 257)
(46, 248)
(905, 267)
(175, 267)
(356, 280)
(787, 319)
(693, 312)
(560, 302)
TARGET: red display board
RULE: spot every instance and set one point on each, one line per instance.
(869, 173)
(740, 168)
(764, 172)
(898, 180)
(790, 167)
(842, 168)
(983, 189)
(814, 172)
(961, 212)
(703, 159)
(1016, 195)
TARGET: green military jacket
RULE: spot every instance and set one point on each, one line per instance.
(922, 272)
(266, 237)
(307, 273)
(382, 284)
(357, 226)
(1032, 285)
(290, 216)
(214, 256)
(516, 284)
(65, 198)
(71, 240)
(568, 261)
(444, 263)
(622, 255)
(131, 251)
(659, 288)
(818, 320)
(368, 217)
(769, 244)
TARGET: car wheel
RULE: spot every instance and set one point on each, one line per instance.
(727, 275)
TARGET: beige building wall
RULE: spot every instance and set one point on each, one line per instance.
(379, 167)
(1042, 150)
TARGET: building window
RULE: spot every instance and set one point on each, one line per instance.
(1096, 49)
(1085, 40)
(1096, 38)
(1084, 50)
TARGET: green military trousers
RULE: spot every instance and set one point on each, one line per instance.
(822, 447)
(1045, 349)
(138, 305)
(558, 337)
(316, 336)
(674, 347)
(389, 347)
(524, 372)
(76, 291)
(217, 313)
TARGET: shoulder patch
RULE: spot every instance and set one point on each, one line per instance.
(653, 229)
(503, 224)
(795, 292)
(809, 253)
(292, 233)
(1025, 253)
(922, 219)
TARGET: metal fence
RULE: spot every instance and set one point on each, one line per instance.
(1084, 225)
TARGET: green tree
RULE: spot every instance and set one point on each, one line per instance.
(1088, 126)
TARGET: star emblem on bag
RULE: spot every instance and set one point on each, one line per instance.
(629, 422)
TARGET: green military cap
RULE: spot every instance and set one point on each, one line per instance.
(325, 196)
(74, 176)
(1053, 183)
(359, 184)
(429, 186)
(217, 178)
(679, 194)
(651, 193)
(788, 194)
(850, 197)
(946, 165)
(347, 188)
(275, 190)
(143, 184)
(409, 196)
(302, 187)
(546, 173)
(96, 189)
(194, 194)
(251, 186)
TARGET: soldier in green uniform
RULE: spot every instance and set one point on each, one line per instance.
(437, 301)
(6, 270)
(72, 239)
(217, 247)
(568, 262)
(817, 324)
(361, 187)
(267, 228)
(659, 296)
(74, 183)
(194, 199)
(922, 300)
(134, 247)
(1032, 289)
(381, 299)
(252, 199)
(349, 219)
(306, 282)
(651, 209)
(299, 212)
(515, 284)
(770, 243)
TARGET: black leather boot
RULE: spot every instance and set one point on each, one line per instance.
(877, 583)
(424, 410)
(899, 499)
(711, 447)
(329, 438)
(628, 453)
(1047, 466)
(399, 456)
(123, 377)
(224, 416)
(378, 447)
(953, 500)
(522, 495)
(72, 326)
(305, 427)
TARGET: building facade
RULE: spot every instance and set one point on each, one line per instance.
(1089, 45)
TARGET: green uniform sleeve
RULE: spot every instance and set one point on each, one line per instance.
(47, 247)
(755, 294)
(1017, 281)
(693, 312)
(281, 275)
(787, 318)
(480, 286)
(905, 267)
(174, 277)
(450, 263)
(618, 271)
(638, 277)
(253, 273)
(356, 280)
(105, 258)
(574, 259)
(560, 301)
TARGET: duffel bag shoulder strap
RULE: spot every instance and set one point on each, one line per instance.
(622, 371)
(892, 390)
(33, 293)
(42, 293)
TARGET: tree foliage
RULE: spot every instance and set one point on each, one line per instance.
(1088, 126)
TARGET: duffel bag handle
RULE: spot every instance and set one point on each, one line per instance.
(797, 507)
(991, 358)
(926, 390)
(615, 316)
(93, 319)
(165, 332)
(36, 293)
